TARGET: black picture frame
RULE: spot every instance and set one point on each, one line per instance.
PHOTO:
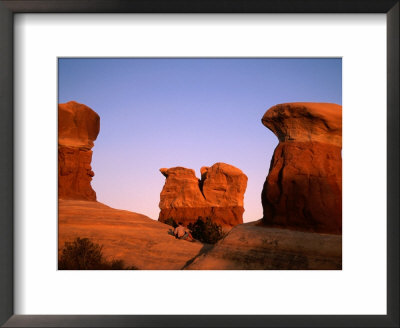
(10, 7)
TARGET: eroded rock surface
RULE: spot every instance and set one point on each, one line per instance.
(134, 238)
(303, 189)
(253, 246)
(78, 127)
(218, 194)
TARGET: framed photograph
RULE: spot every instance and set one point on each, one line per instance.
(202, 182)
(199, 164)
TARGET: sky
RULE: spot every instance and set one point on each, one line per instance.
(157, 113)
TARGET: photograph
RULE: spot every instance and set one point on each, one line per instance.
(199, 163)
(200, 144)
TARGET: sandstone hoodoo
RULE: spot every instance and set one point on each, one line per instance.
(303, 189)
(218, 195)
(78, 127)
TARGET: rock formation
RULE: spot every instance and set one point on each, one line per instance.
(303, 189)
(218, 195)
(120, 232)
(78, 127)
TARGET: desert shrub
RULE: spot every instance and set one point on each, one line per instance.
(171, 222)
(83, 254)
(206, 231)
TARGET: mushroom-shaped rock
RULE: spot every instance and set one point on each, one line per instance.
(307, 122)
(78, 127)
(217, 195)
(303, 189)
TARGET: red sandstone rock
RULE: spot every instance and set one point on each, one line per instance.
(218, 195)
(303, 189)
(78, 127)
(223, 185)
(308, 122)
(181, 189)
(134, 238)
(253, 246)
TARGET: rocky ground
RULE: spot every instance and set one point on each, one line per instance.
(132, 237)
(252, 246)
(147, 244)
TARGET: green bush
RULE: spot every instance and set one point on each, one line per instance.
(206, 231)
(171, 222)
(83, 254)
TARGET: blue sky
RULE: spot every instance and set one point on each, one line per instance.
(187, 112)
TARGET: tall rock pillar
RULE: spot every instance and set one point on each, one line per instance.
(78, 127)
(303, 189)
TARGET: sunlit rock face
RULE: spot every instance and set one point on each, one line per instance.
(218, 195)
(132, 237)
(78, 127)
(303, 189)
